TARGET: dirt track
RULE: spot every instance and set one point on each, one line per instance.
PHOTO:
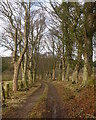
(54, 108)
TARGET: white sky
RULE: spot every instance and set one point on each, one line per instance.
(4, 53)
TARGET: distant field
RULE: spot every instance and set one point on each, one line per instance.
(7, 69)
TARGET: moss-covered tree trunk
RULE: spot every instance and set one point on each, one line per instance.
(30, 72)
(67, 72)
(87, 70)
(89, 30)
(22, 69)
(25, 70)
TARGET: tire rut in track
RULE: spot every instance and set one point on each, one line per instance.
(54, 106)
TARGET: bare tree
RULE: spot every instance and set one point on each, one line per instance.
(11, 13)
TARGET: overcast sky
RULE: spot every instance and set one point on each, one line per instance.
(4, 52)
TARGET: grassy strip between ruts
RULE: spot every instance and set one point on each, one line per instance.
(39, 110)
(19, 97)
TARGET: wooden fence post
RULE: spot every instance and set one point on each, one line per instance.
(7, 89)
(3, 93)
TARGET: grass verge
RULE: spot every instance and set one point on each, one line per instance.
(78, 100)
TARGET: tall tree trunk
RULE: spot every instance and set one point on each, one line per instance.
(33, 79)
(25, 70)
(30, 72)
(77, 67)
(63, 69)
(67, 72)
(33, 74)
(16, 67)
(17, 63)
(89, 30)
(87, 71)
(22, 69)
(75, 74)
(63, 60)
(53, 74)
(15, 78)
